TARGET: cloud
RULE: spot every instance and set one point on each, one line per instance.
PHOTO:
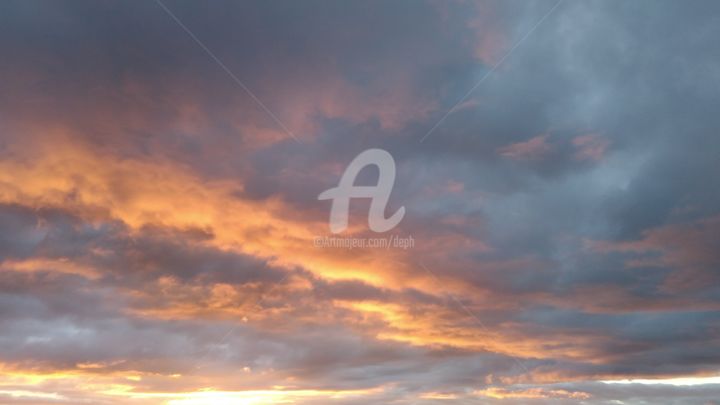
(688, 249)
(534, 148)
(157, 225)
(590, 147)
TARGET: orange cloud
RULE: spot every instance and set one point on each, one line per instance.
(590, 147)
(532, 393)
(534, 148)
(689, 248)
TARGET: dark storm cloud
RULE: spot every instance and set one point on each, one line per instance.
(61, 320)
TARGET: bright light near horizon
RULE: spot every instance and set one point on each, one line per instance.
(680, 381)
(257, 397)
(233, 398)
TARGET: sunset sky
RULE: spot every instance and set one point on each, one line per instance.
(161, 161)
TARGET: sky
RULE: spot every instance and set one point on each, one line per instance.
(557, 162)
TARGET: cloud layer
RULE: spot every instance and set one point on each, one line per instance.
(158, 224)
